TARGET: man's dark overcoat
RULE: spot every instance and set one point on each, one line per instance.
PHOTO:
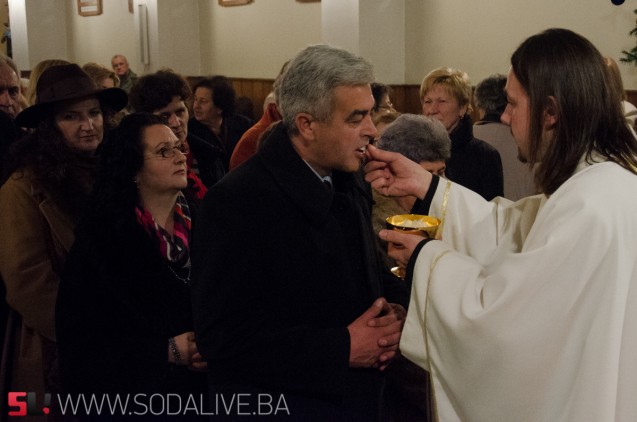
(282, 266)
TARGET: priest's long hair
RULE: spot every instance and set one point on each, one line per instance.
(561, 69)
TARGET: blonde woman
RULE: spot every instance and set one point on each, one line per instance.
(445, 94)
(36, 72)
(105, 78)
(101, 75)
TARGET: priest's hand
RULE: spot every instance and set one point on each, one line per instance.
(392, 174)
(400, 246)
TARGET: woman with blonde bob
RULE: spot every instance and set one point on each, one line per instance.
(35, 74)
(105, 78)
(445, 94)
(101, 75)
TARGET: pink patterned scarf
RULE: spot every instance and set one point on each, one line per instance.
(175, 248)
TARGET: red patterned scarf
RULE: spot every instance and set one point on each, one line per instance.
(195, 185)
(175, 248)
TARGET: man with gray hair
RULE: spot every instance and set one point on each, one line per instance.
(127, 77)
(9, 87)
(290, 300)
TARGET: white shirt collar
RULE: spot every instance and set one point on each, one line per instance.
(323, 179)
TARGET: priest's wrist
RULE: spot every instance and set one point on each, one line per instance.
(409, 271)
(421, 206)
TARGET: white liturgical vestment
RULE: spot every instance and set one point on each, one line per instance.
(527, 311)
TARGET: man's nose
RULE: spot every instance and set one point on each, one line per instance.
(369, 129)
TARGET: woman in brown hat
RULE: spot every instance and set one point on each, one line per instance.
(45, 193)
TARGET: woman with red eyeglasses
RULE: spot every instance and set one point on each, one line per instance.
(123, 314)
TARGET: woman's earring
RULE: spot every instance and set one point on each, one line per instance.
(136, 183)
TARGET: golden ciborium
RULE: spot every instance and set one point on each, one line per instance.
(420, 225)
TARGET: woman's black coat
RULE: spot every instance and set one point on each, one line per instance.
(118, 305)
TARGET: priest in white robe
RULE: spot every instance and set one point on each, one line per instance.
(527, 311)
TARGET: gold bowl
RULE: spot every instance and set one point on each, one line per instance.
(422, 225)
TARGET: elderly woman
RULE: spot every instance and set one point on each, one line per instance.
(51, 176)
(214, 118)
(421, 139)
(123, 314)
(445, 94)
(425, 141)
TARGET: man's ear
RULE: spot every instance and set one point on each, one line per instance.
(303, 122)
(551, 114)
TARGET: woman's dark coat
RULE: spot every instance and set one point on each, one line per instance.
(118, 304)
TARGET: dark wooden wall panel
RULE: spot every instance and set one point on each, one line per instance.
(405, 98)
(255, 89)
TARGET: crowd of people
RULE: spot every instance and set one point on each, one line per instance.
(154, 240)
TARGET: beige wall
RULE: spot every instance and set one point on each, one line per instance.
(38, 31)
(478, 36)
(252, 41)
(98, 38)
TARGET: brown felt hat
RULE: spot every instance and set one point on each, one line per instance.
(67, 82)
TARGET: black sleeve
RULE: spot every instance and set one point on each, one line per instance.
(409, 274)
(422, 206)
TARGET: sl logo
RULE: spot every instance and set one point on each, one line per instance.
(25, 404)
